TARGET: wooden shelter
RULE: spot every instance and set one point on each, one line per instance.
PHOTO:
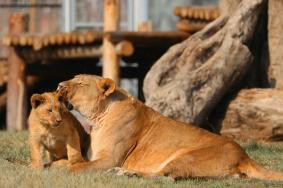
(71, 53)
(76, 48)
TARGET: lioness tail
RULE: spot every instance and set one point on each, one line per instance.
(254, 170)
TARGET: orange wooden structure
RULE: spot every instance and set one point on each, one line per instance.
(74, 49)
(31, 54)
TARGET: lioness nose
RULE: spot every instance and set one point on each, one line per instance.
(58, 120)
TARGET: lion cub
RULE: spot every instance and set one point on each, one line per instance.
(55, 131)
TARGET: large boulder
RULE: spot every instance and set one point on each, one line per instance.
(189, 80)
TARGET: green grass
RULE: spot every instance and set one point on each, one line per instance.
(14, 172)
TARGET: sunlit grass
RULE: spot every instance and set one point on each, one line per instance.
(14, 171)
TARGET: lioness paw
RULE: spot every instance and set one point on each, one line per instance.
(122, 172)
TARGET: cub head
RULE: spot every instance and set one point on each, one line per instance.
(87, 93)
(49, 108)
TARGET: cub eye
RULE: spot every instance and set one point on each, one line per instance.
(49, 110)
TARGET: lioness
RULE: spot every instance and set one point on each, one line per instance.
(130, 135)
(52, 128)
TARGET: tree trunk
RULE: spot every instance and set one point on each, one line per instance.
(275, 43)
(255, 114)
(191, 77)
(228, 6)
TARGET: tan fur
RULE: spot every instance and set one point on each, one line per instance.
(55, 131)
(130, 135)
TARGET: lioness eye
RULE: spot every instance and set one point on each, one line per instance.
(49, 110)
(81, 84)
(60, 99)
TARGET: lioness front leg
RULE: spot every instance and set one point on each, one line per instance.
(99, 164)
(74, 149)
(36, 154)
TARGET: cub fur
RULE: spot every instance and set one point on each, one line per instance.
(54, 131)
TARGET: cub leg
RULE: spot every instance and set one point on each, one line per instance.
(50, 159)
(37, 151)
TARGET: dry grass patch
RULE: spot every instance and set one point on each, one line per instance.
(14, 170)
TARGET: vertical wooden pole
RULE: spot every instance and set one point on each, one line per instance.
(111, 65)
(16, 88)
(145, 26)
(32, 17)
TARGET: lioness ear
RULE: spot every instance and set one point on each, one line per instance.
(60, 97)
(36, 100)
(107, 85)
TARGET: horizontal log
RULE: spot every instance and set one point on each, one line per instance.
(124, 48)
(197, 13)
(49, 54)
(40, 41)
(15, 40)
(138, 39)
(190, 26)
(255, 114)
(7, 40)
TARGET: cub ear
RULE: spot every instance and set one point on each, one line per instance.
(36, 100)
(107, 85)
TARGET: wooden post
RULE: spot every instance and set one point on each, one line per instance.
(145, 26)
(32, 17)
(111, 65)
(16, 88)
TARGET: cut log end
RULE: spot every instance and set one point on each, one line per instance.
(254, 114)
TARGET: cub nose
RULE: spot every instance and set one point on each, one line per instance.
(61, 85)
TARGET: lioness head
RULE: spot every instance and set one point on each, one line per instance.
(86, 93)
(48, 108)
